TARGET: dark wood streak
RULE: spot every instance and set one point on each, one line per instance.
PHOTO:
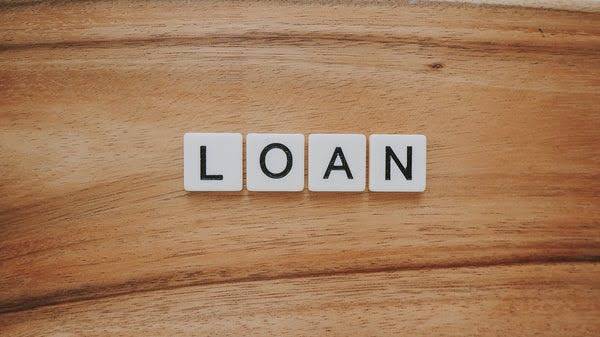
(313, 39)
(166, 283)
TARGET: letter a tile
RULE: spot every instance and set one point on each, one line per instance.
(337, 162)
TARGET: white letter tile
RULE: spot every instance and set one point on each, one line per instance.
(212, 161)
(344, 155)
(402, 175)
(274, 162)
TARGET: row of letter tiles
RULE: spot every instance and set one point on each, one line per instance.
(275, 162)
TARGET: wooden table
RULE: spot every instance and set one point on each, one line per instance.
(99, 238)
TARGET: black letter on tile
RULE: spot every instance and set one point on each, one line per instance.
(338, 153)
(263, 160)
(203, 175)
(406, 171)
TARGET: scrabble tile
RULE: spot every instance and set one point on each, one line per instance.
(212, 161)
(397, 163)
(336, 162)
(274, 162)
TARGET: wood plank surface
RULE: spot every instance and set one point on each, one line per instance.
(569, 5)
(527, 300)
(98, 236)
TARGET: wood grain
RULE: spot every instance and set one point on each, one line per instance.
(569, 5)
(529, 300)
(98, 236)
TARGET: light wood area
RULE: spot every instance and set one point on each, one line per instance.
(569, 5)
(98, 237)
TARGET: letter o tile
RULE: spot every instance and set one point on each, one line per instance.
(274, 162)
